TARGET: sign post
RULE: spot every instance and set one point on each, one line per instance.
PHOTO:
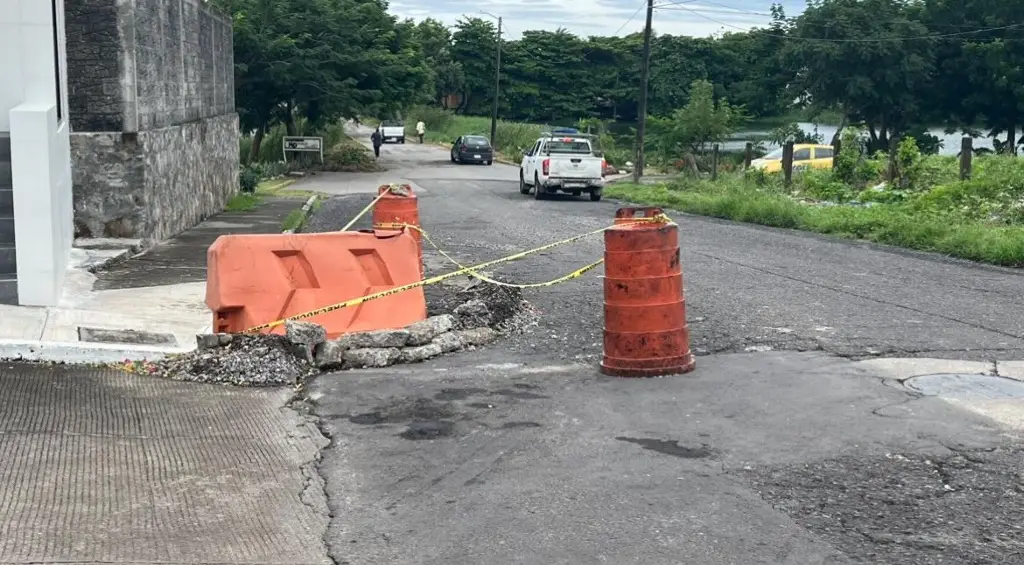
(299, 144)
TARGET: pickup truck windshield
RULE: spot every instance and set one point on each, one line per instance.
(576, 147)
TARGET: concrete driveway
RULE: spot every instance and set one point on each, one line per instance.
(796, 440)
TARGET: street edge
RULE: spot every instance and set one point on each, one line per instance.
(80, 352)
(307, 208)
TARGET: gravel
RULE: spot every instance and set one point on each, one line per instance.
(246, 360)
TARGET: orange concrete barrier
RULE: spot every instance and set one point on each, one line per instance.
(645, 331)
(399, 207)
(257, 279)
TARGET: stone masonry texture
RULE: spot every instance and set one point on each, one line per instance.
(154, 184)
(102, 466)
(154, 130)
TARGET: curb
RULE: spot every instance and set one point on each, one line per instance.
(306, 210)
(79, 352)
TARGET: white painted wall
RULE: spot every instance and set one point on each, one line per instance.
(40, 150)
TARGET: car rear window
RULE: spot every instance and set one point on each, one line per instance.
(575, 146)
(476, 141)
(391, 124)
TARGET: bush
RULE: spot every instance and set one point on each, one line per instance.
(249, 178)
(349, 156)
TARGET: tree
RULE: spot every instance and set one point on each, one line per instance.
(701, 122)
(436, 45)
(854, 55)
(323, 59)
(474, 46)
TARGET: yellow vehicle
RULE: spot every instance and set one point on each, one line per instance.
(805, 155)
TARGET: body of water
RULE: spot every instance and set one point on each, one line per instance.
(950, 141)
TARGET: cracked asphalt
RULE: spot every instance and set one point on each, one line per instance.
(793, 442)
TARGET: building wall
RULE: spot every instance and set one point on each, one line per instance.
(155, 183)
(155, 134)
(33, 117)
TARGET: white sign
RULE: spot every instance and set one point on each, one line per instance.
(304, 145)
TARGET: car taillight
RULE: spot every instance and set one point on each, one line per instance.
(463, 148)
(547, 166)
(604, 167)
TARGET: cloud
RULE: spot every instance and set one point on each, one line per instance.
(603, 17)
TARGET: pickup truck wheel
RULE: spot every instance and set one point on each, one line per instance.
(402, 141)
(523, 187)
(489, 162)
(595, 196)
(538, 190)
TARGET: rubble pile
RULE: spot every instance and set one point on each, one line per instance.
(477, 317)
(238, 359)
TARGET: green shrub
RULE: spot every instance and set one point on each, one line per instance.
(249, 178)
(349, 156)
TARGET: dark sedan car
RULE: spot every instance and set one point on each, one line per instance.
(472, 149)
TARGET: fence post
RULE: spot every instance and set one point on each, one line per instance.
(893, 144)
(787, 162)
(837, 146)
(966, 152)
(748, 155)
(714, 162)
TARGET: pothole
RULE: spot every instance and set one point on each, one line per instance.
(961, 385)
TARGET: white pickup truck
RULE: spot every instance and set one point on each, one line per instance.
(392, 130)
(562, 162)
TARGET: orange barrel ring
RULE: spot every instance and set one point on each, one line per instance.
(645, 330)
(397, 209)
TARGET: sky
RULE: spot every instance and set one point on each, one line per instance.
(699, 18)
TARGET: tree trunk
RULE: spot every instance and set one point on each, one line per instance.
(839, 131)
(289, 121)
(1011, 137)
(257, 141)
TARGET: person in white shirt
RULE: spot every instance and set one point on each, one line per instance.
(421, 128)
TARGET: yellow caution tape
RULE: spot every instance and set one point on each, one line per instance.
(469, 270)
(661, 218)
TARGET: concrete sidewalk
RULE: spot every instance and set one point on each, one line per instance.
(142, 306)
(100, 466)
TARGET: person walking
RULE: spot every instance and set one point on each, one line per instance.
(376, 139)
(421, 128)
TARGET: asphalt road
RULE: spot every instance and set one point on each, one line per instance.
(747, 288)
(781, 448)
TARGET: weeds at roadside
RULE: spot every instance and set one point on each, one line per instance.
(897, 224)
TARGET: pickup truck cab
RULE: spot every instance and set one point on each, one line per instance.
(562, 162)
(392, 130)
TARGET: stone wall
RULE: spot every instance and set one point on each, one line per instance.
(154, 129)
(154, 184)
(96, 94)
(184, 62)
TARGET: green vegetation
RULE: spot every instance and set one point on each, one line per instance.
(887, 67)
(266, 188)
(924, 205)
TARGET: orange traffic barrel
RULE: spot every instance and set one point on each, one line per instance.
(399, 205)
(645, 331)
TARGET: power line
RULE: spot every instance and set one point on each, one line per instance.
(643, 4)
(857, 40)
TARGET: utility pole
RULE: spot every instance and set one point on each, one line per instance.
(638, 166)
(497, 83)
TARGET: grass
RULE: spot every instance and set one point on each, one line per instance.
(270, 188)
(294, 220)
(899, 225)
